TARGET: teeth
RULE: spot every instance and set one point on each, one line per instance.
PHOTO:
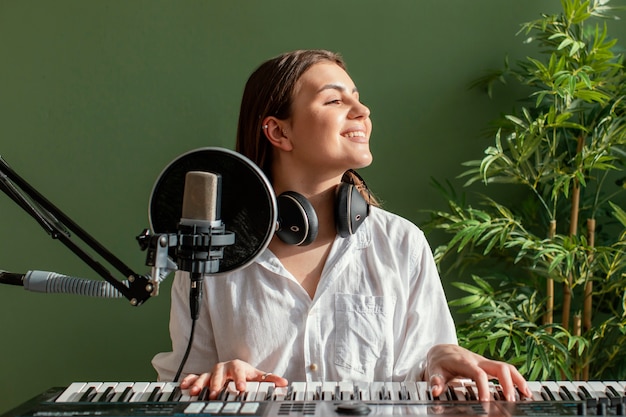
(354, 134)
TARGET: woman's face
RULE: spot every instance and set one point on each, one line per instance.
(329, 127)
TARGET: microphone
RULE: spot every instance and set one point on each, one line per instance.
(198, 250)
(55, 283)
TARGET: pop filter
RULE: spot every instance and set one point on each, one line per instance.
(248, 203)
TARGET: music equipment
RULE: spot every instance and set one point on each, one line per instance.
(297, 219)
(324, 399)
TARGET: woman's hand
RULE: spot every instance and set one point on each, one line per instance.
(237, 370)
(446, 362)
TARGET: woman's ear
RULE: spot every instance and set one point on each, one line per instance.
(275, 132)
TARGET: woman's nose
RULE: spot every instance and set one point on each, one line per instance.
(360, 110)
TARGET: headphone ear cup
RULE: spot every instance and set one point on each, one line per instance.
(351, 209)
(297, 220)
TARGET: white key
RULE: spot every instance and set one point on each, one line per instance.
(573, 390)
(299, 391)
(328, 390)
(553, 387)
(362, 391)
(459, 389)
(615, 391)
(102, 389)
(377, 390)
(535, 387)
(86, 387)
(280, 393)
(261, 393)
(423, 391)
(251, 389)
(599, 389)
(312, 389)
(168, 389)
(119, 391)
(230, 392)
(593, 396)
(70, 391)
(393, 390)
(139, 389)
(346, 390)
(411, 390)
(185, 396)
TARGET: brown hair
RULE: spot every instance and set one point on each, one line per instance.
(269, 92)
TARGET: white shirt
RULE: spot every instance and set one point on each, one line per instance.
(377, 310)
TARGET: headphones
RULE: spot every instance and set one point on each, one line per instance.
(297, 220)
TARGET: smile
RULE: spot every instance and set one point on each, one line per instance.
(354, 134)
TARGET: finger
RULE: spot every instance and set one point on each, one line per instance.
(437, 384)
(239, 374)
(218, 380)
(521, 383)
(504, 378)
(279, 381)
(482, 384)
(199, 384)
(188, 380)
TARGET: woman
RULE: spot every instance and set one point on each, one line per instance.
(366, 307)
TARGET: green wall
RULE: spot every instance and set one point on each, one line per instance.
(96, 97)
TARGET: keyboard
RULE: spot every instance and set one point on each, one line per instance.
(324, 399)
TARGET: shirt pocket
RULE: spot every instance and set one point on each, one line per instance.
(364, 329)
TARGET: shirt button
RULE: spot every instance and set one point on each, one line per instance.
(313, 367)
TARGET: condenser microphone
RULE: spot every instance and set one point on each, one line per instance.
(199, 221)
(196, 252)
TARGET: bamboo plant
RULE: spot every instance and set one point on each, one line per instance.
(546, 270)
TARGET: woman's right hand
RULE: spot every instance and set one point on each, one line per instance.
(236, 370)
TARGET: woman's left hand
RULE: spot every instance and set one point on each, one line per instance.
(446, 362)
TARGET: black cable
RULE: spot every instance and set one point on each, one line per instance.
(182, 363)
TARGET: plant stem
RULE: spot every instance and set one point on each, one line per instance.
(548, 317)
(588, 298)
(573, 229)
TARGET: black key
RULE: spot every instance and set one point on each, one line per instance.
(613, 395)
(155, 394)
(471, 394)
(404, 394)
(222, 395)
(452, 394)
(565, 394)
(88, 395)
(204, 394)
(290, 393)
(584, 394)
(547, 394)
(126, 394)
(176, 394)
(384, 393)
(107, 394)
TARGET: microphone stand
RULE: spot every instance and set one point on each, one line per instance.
(58, 226)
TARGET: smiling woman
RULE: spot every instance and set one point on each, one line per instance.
(362, 306)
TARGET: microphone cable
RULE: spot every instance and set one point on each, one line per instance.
(186, 355)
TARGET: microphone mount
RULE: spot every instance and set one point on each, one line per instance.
(60, 227)
(248, 207)
(198, 248)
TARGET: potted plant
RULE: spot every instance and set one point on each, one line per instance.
(548, 270)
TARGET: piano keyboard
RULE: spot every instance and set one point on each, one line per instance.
(324, 399)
